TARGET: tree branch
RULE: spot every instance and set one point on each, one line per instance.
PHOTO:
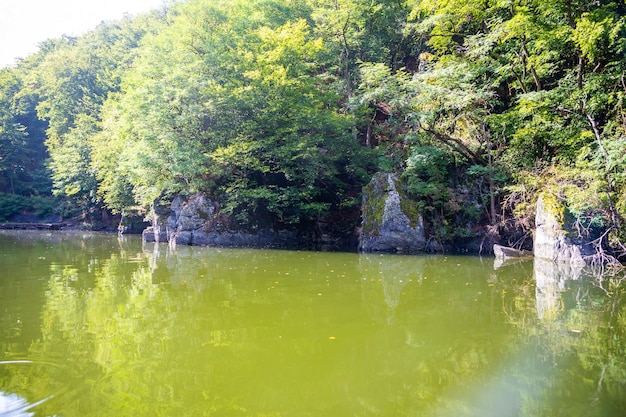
(457, 145)
(532, 70)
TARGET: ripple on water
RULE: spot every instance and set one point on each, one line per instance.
(15, 399)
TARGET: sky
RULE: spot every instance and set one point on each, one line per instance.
(26, 23)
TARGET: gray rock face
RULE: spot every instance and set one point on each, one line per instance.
(554, 240)
(386, 227)
(190, 219)
(196, 220)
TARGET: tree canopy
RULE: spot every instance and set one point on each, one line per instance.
(283, 109)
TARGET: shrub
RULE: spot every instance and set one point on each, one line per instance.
(13, 204)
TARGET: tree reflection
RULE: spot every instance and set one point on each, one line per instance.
(152, 330)
(580, 336)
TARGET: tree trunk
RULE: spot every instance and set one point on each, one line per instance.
(532, 70)
(492, 187)
(579, 72)
(346, 57)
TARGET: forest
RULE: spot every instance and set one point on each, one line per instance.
(284, 109)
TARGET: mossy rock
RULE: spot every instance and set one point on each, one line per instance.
(391, 223)
(373, 207)
(554, 207)
(554, 238)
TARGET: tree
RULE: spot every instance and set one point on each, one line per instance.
(233, 101)
(14, 153)
(281, 109)
(22, 154)
(70, 79)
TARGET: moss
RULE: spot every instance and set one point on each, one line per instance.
(373, 207)
(407, 205)
(554, 207)
(375, 194)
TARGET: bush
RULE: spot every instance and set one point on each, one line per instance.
(13, 204)
(582, 192)
(426, 176)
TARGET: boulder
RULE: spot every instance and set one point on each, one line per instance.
(390, 222)
(555, 239)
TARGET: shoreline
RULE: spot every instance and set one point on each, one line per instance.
(34, 226)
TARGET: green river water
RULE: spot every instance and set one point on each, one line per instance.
(96, 325)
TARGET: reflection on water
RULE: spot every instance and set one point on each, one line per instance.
(394, 276)
(106, 326)
(11, 374)
(551, 280)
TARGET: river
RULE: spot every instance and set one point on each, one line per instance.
(96, 325)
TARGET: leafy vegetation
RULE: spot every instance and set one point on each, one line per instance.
(282, 110)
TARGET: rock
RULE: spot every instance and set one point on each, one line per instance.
(554, 239)
(386, 225)
(148, 235)
(190, 217)
(31, 226)
(196, 220)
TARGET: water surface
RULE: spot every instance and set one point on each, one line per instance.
(96, 325)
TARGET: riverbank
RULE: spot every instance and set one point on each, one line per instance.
(34, 226)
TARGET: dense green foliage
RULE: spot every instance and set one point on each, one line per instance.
(283, 109)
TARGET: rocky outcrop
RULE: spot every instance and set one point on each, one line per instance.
(191, 219)
(390, 222)
(554, 238)
(196, 220)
